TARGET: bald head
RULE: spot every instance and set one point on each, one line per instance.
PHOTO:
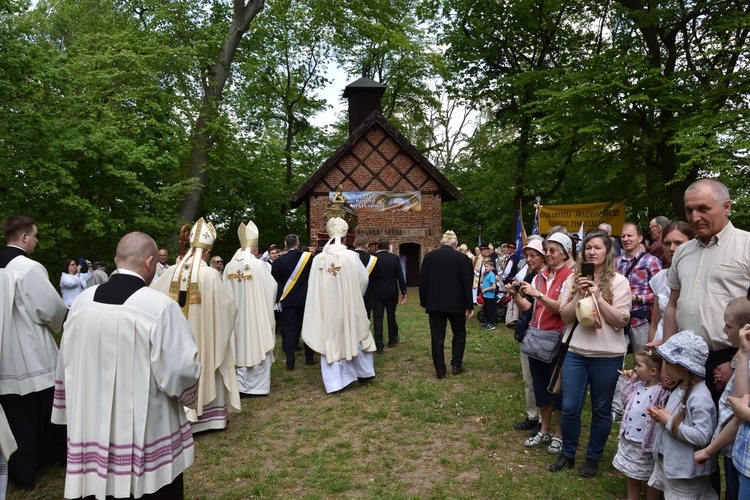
(137, 252)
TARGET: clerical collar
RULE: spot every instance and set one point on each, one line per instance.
(129, 272)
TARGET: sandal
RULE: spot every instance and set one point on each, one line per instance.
(555, 446)
(541, 437)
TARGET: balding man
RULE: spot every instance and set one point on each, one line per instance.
(445, 293)
(30, 308)
(128, 363)
(656, 230)
(707, 273)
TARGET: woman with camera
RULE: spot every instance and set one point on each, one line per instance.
(72, 281)
(545, 320)
(594, 354)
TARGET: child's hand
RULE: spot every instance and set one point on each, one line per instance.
(628, 373)
(745, 338)
(660, 414)
(722, 374)
(739, 404)
(700, 457)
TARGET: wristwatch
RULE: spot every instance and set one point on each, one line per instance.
(733, 363)
(541, 296)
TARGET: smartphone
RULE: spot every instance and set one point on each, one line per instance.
(587, 269)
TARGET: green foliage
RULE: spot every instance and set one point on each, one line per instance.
(594, 97)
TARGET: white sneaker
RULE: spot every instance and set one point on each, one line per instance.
(541, 437)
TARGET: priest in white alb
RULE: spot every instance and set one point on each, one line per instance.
(248, 280)
(211, 312)
(335, 323)
(127, 365)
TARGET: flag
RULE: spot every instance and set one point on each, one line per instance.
(520, 233)
(535, 229)
(581, 233)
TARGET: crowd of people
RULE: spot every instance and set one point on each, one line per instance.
(154, 353)
(681, 304)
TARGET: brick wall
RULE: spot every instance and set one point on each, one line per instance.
(377, 163)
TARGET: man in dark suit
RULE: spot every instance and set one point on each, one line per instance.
(291, 272)
(445, 293)
(386, 280)
(360, 246)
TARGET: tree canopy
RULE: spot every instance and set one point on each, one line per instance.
(117, 116)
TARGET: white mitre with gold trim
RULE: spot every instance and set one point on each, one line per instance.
(202, 237)
(336, 227)
(248, 234)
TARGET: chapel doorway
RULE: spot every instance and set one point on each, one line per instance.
(409, 254)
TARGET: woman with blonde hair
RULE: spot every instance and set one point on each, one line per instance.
(595, 354)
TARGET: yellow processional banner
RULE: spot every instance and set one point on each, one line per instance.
(589, 214)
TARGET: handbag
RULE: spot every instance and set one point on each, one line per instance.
(555, 381)
(587, 312)
(542, 345)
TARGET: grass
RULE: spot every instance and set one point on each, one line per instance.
(404, 435)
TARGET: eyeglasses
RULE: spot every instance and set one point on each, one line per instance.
(218, 262)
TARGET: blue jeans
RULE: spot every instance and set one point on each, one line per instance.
(599, 375)
(744, 485)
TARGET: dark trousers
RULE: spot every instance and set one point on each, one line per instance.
(291, 333)
(438, 323)
(40, 442)
(490, 310)
(389, 307)
(731, 480)
(173, 491)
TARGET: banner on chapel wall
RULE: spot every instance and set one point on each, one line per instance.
(589, 214)
(383, 201)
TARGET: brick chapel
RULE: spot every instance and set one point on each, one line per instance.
(395, 191)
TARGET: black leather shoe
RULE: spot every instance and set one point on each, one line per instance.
(589, 469)
(525, 425)
(562, 463)
(312, 361)
(289, 368)
(456, 369)
(393, 344)
(379, 350)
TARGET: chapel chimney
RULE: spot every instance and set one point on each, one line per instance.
(364, 97)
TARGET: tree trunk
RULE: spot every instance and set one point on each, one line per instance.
(213, 88)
